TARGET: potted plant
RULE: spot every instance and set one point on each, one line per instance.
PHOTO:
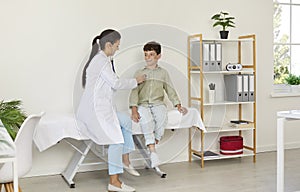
(212, 86)
(225, 21)
(211, 93)
(293, 81)
(11, 116)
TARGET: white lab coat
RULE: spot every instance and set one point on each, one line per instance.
(96, 108)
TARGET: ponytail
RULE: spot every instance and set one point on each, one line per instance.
(95, 49)
(108, 35)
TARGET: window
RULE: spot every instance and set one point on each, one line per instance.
(286, 39)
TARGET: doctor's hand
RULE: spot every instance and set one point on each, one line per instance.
(140, 79)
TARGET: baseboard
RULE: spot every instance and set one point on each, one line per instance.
(269, 148)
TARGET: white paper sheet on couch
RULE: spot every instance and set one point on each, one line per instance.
(53, 128)
(178, 121)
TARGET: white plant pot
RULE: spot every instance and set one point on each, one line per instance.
(295, 88)
(211, 96)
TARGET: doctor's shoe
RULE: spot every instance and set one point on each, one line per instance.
(130, 169)
(154, 159)
(124, 188)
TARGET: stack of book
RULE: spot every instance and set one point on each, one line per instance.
(208, 154)
(241, 123)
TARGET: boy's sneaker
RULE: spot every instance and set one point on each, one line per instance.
(154, 159)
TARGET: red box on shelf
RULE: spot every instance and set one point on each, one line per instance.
(231, 145)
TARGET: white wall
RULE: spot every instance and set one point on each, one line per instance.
(44, 44)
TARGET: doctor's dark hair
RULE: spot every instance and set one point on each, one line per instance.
(107, 36)
(152, 46)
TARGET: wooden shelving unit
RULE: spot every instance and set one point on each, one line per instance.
(202, 104)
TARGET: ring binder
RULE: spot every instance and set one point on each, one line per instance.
(212, 58)
(218, 56)
(251, 88)
(206, 57)
(245, 88)
(234, 87)
(195, 51)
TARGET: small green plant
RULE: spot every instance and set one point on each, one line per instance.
(224, 20)
(212, 86)
(12, 116)
(292, 79)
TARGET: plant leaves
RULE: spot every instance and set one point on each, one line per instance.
(12, 116)
(216, 16)
(223, 19)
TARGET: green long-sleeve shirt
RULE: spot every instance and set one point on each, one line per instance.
(152, 90)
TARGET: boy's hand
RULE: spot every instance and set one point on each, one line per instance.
(181, 109)
(135, 116)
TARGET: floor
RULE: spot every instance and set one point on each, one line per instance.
(227, 175)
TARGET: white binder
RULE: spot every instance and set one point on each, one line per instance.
(206, 56)
(245, 88)
(240, 87)
(234, 87)
(218, 56)
(195, 53)
(212, 58)
(251, 88)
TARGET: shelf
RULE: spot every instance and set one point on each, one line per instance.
(246, 153)
(195, 71)
(228, 72)
(227, 103)
(230, 128)
(223, 40)
(227, 40)
(196, 101)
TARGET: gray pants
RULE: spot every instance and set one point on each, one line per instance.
(153, 122)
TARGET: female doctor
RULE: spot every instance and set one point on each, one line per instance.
(97, 110)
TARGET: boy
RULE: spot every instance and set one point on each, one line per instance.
(146, 100)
